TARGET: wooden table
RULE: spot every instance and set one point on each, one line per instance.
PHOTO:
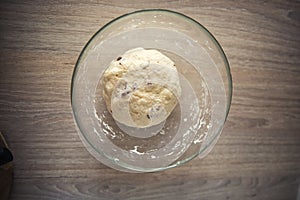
(257, 156)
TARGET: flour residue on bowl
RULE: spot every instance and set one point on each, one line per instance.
(182, 131)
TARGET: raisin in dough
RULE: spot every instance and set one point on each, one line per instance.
(141, 87)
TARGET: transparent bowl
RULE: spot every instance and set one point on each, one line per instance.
(195, 124)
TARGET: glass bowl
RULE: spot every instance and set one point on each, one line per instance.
(195, 124)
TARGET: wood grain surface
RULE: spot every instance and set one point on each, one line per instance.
(257, 156)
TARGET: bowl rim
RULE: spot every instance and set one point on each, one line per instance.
(229, 96)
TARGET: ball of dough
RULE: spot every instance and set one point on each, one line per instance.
(141, 87)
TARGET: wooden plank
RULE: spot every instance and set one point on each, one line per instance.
(257, 156)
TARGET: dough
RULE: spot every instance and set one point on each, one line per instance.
(141, 87)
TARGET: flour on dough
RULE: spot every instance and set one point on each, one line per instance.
(141, 87)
